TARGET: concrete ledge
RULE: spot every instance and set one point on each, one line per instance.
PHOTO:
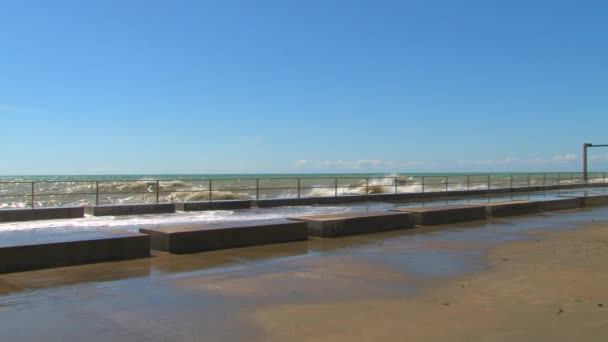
(341, 199)
(280, 202)
(561, 204)
(435, 215)
(592, 201)
(355, 223)
(71, 249)
(215, 205)
(132, 209)
(511, 208)
(202, 237)
(11, 215)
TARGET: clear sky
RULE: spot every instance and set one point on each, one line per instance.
(101, 86)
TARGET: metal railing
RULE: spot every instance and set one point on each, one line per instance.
(97, 192)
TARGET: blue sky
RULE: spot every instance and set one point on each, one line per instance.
(101, 86)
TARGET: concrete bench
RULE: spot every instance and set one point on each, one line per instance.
(335, 225)
(445, 214)
(192, 238)
(45, 251)
(511, 208)
(130, 209)
(12, 215)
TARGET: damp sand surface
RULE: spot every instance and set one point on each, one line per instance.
(531, 278)
(554, 288)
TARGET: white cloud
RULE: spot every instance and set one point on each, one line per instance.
(565, 157)
(357, 164)
(343, 164)
(298, 164)
(598, 157)
(559, 159)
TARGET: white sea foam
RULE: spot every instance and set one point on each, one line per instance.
(133, 223)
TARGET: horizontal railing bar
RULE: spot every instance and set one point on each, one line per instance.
(126, 193)
(285, 178)
(401, 182)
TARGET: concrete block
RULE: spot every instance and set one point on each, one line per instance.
(130, 209)
(445, 214)
(202, 237)
(592, 201)
(511, 208)
(355, 223)
(12, 215)
(71, 249)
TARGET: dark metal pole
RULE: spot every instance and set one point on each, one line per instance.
(157, 191)
(336, 187)
(299, 191)
(585, 146)
(33, 195)
(210, 190)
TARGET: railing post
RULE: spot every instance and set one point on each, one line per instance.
(33, 195)
(210, 190)
(299, 188)
(422, 184)
(97, 193)
(559, 176)
(603, 177)
(395, 185)
(157, 190)
(446, 183)
(468, 183)
(571, 178)
(488, 182)
(257, 189)
(511, 181)
(336, 187)
(544, 178)
(528, 180)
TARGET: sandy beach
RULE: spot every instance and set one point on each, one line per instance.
(553, 288)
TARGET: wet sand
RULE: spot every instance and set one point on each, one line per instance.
(554, 288)
(488, 280)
